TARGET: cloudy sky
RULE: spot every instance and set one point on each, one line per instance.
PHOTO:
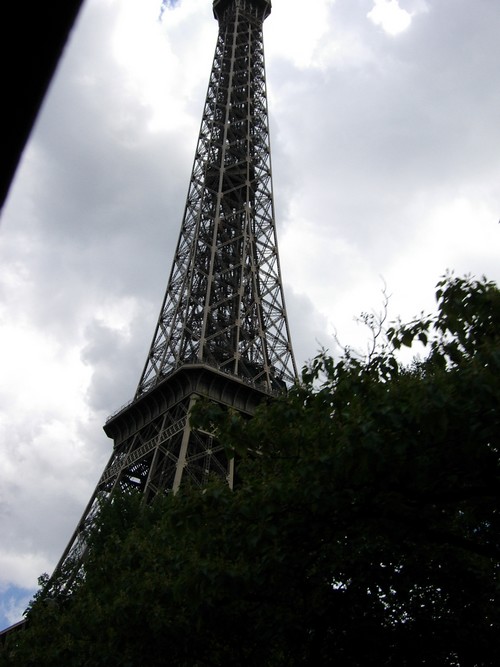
(386, 157)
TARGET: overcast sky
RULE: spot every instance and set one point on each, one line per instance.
(385, 140)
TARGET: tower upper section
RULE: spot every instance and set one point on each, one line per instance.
(263, 7)
(224, 306)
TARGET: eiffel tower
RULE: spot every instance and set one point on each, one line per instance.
(222, 333)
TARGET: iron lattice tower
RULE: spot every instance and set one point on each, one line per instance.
(222, 332)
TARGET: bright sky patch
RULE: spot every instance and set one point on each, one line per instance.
(390, 16)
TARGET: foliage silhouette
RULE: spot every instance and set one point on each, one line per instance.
(363, 529)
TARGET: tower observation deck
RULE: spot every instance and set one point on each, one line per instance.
(222, 332)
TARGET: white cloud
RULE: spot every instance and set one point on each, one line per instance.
(298, 33)
(390, 16)
(18, 568)
(147, 50)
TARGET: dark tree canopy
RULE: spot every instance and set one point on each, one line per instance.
(364, 528)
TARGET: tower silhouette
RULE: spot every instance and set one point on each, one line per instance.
(222, 333)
